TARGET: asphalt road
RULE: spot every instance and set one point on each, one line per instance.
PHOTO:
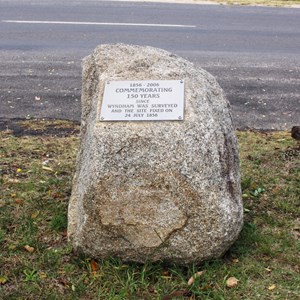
(253, 51)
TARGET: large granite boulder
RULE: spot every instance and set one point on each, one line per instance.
(155, 190)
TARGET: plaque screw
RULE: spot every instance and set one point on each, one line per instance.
(179, 117)
(108, 82)
(102, 118)
(181, 81)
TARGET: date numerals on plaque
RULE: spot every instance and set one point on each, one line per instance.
(149, 84)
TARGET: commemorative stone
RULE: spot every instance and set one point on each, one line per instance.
(157, 174)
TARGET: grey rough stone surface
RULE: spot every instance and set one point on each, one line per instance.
(163, 190)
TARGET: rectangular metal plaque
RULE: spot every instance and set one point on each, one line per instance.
(144, 100)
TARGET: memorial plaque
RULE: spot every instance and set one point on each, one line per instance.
(144, 100)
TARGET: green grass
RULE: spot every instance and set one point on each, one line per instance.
(280, 3)
(36, 175)
(261, 2)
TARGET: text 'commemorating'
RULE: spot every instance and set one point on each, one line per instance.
(144, 100)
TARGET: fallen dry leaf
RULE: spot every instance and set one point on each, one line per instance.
(47, 169)
(28, 248)
(231, 282)
(13, 180)
(272, 287)
(19, 201)
(43, 275)
(35, 214)
(192, 279)
(94, 267)
(3, 280)
(268, 269)
(56, 195)
(175, 295)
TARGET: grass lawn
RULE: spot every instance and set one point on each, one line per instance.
(285, 3)
(37, 263)
(260, 2)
